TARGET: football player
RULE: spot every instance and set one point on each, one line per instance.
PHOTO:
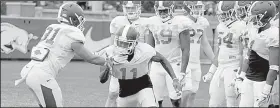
(264, 56)
(170, 37)
(132, 11)
(242, 8)
(229, 56)
(133, 60)
(56, 48)
(194, 11)
(13, 38)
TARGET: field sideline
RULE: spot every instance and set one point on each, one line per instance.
(79, 83)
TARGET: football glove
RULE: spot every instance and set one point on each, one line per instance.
(265, 97)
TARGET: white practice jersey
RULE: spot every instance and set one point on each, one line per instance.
(58, 38)
(229, 41)
(120, 21)
(166, 36)
(264, 40)
(137, 67)
(197, 30)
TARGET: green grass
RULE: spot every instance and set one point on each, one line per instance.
(79, 83)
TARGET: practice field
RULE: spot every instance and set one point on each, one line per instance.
(80, 86)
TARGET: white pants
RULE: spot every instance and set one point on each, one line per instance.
(144, 98)
(250, 91)
(194, 77)
(114, 85)
(44, 87)
(162, 80)
(220, 86)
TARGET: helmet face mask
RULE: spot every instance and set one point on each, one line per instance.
(260, 13)
(164, 12)
(132, 10)
(125, 40)
(72, 14)
(226, 12)
(194, 8)
(242, 9)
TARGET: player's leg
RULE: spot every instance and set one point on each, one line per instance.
(146, 98)
(157, 75)
(188, 96)
(247, 93)
(216, 89)
(113, 92)
(231, 96)
(128, 101)
(45, 87)
(258, 87)
(174, 96)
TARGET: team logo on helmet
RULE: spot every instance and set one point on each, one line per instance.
(164, 9)
(261, 12)
(132, 9)
(194, 8)
(71, 13)
(125, 40)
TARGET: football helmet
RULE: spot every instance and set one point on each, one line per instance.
(73, 14)
(242, 8)
(132, 9)
(125, 40)
(225, 12)
(194, 8)
(261, 12)
(164, 9)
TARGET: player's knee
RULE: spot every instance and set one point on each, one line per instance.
(113, 95)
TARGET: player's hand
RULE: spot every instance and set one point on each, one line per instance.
(262, 100)
(182, 79)
(177, 86)
(207, 77)
(237, 85)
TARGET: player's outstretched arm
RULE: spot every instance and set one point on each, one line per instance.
(81, 51)
(149, 39)
(185, 47)
(207, 48)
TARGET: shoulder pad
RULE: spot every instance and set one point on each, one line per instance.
(273, 37)
(147, 49)
(203, 22)
(75, 34)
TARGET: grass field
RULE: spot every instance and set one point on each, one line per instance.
(79, 83)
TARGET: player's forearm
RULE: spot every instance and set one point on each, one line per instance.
(185, 60)
(167, 66)
(81, 51)
(271, 77)
(209, 52)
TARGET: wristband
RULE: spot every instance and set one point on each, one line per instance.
(213, 68)
(267, 88)
(274, 67)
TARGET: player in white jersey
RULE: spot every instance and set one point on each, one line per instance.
(132, 11)
(170, 37)
(133, 66)
(242, 8)
(194, 11)
(229, 56)
(13, 38)
(263, 59)
(57, 47)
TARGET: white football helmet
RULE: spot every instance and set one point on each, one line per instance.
(226, 12)
(132, 9)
